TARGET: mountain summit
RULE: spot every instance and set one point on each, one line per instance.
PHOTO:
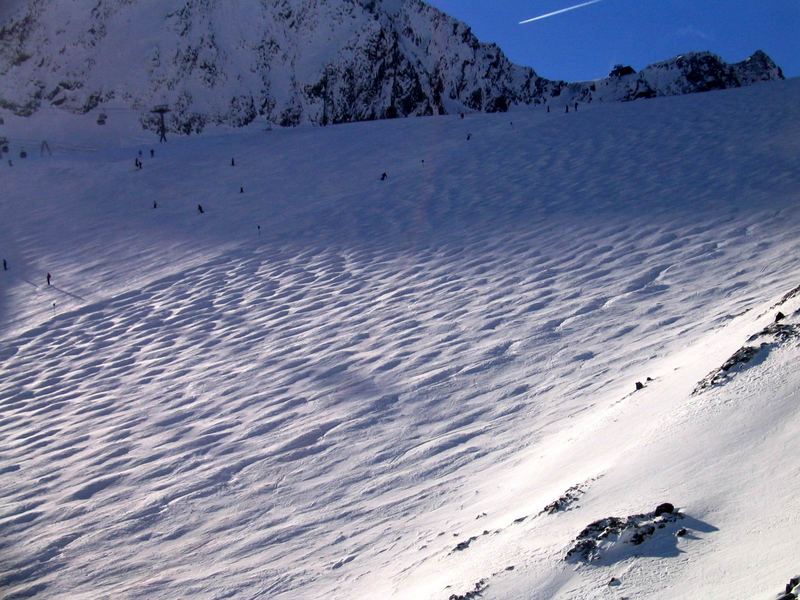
(296, 61)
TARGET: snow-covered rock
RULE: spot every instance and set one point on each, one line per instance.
(293, 62)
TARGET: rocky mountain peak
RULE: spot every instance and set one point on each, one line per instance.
(295, 61)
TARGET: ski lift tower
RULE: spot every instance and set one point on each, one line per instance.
(161, 110)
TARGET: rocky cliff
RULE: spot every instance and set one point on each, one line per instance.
(295, 61)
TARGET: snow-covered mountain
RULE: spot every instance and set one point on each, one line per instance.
(295, 61)
(331, 386)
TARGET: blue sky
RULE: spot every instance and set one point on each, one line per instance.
(587, 42)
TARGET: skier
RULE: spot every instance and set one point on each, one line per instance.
(5, 265)
(152, 153)
(567, 107)
(200, 209)
(469, 136)
(576, 107)
(384, 176)
(259, 230)
(48, 279)
(233, 163)
(548, 108)
(241, 189)
(155, 204)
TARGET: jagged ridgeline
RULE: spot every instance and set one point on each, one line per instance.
(295, 61)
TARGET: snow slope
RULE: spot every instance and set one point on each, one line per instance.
(329, 408)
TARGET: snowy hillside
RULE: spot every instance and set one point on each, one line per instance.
(294, 61)
(329, 385)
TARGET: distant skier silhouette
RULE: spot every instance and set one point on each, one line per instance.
(152, 153)
(200, 209)
(384, 176)
(548, 108)
(567, 107)
(48, 279)
(469, 136)
(259, 229)
(576, 107)
(241, 190)
(233, 163)
(155, 204)
(5, 265)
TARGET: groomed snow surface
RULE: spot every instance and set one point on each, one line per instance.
(330, 407)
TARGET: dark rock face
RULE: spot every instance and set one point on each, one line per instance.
(621, 71)
(755, 68)
(780, 332)
(475, 592)
(706, 72)
(464, 545)
(741, 357)
(788, 295)
(792, 590)
(769, 338)
(299, 61)
(665, 508)
(566, 500)
(604, 533)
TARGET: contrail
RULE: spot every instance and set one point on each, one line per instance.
(558, 12)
